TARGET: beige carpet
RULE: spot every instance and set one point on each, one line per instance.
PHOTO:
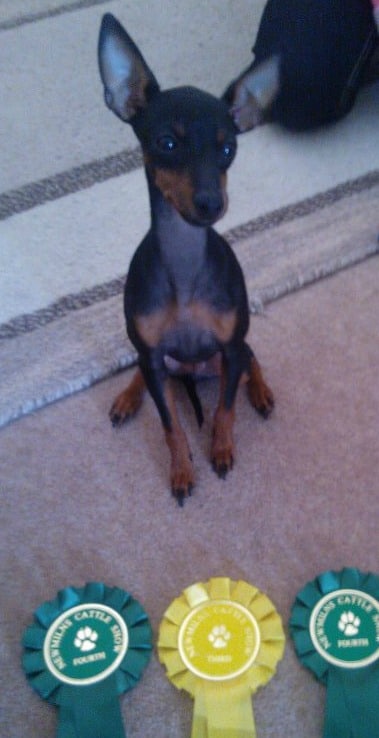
(82, 501)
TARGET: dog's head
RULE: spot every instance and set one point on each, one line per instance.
(188, 136)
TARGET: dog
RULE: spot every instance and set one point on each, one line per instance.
(185, 297)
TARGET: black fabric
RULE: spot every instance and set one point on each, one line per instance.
(324, 48)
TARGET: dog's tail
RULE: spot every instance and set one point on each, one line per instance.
(190, 386)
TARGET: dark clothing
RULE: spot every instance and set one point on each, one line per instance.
(324, 48)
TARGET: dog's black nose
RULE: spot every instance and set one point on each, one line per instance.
(208, 204)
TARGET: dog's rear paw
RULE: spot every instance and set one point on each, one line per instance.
(126, 404)
(260, 395)
(261, 398)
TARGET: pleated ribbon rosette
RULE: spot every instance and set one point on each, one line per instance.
(335, 628)
(84, 649)
(220, 641)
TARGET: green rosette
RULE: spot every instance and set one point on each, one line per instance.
(335, 628)
(84, 649)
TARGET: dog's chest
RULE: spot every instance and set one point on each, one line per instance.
(191, 331)
(183, 253)
(187, 322)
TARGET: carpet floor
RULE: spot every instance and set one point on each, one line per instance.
(84, 502)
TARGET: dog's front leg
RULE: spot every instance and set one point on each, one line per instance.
(234, 362)
(222, 454)
(159, 386)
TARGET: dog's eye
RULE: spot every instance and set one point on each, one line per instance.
(228, 150)
(167, 143)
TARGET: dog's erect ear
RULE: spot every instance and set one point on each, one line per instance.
(251, 95)
(128, 81)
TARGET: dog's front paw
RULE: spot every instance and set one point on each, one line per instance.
(222, 453)
(181, 470)
(222, 460)
(182, 482)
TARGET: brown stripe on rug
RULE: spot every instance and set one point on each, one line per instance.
(65, 183)
(71, 346)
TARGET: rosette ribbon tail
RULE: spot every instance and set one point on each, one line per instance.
(91, 712)
(222, 711)
(352, 703)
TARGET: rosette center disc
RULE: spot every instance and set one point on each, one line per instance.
(219, 640)
(85, 644)
(344, 627)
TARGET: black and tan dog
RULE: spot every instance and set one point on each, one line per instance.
(185, 295)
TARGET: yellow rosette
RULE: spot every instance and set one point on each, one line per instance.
(220, 641)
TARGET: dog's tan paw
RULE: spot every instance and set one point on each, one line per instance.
(261, 398)
(259, 393)
(222, 460)
(181, 468)
(126, 404)
(182, 482)
(222, 452)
